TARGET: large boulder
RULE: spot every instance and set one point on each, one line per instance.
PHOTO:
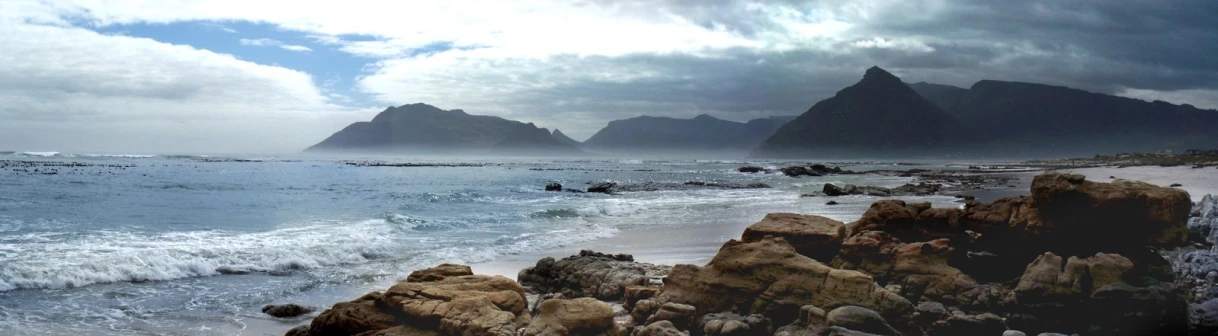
(813, 236)
(286, 310)
(582, 316)
(365, 314)
(1134, 213)
(860, 319)
(768, 277)
(589, 274)
(461, 305)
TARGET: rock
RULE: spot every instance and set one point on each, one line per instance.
(286, 310)
(553, 187)
(589, 274)
(768, 277)
(799, 171)
(1143, 213)
(751, 169)
(349, 318)
(860, 319)
(298, 331)
(729, 324)
(831, 203)
(439, 273)
(1013, 333)
(1201, 227)
(602, 187)
(643, 309)
(635, 293)
(965, 324)
(583, 316)
(813, 236)
(1203, 317)
(1105, 293)
(471, 304)
(1176, 185)
(681, 315)
(661, 328)
(833, 190)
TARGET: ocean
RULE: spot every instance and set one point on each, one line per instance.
(196, 245)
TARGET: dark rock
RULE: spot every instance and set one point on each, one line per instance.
(860, 319)
(589, 274)
(798, 171)
(286, 310)
(751, 169)
(831, 203)
(1174, 185)
(553, 187)
(602, 187)
(298, 331)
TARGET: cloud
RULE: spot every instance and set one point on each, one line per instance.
(577, 65)
(71, 89)
(265, 42)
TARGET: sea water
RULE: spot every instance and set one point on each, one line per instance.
(196, 245)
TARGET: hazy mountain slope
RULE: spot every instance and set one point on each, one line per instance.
(646, 133)
(563, 138)
(944, 96)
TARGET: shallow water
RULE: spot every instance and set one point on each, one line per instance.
(195, 245)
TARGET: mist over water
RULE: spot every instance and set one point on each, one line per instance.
(153, 244)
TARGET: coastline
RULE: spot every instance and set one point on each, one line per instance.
(696, 245)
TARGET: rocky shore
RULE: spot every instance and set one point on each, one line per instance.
(1075, 257)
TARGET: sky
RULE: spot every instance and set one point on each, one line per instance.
(267, 76)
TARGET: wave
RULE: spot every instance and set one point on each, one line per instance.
(108, 257)
(38, 154)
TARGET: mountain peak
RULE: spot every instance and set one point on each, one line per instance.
(875, 73)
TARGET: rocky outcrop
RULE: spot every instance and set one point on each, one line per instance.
(439, 273)
(589, 274)
(583, 316)
(813, 236)
(1147, 214)
(730, 324)
(768, 277)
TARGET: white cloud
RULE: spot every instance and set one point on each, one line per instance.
(71, 89)
(265, 42)
(575, 65)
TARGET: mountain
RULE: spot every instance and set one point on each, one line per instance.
(563, 138)
(701, 133)
(881, 116)
(1031, 117)
(878, 116)
(422, 127)
(944, 96)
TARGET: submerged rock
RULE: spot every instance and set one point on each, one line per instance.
(553, 187)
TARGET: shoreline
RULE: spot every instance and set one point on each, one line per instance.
(696, 245)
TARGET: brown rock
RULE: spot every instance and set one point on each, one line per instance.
(813, 236)
(661, 328)
(470, 305)
(681, 315)
(768, 277)
(635, 293)
(1129, 213)
(354, 317)
(582, 316)
(439, 273)
(860, 319)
